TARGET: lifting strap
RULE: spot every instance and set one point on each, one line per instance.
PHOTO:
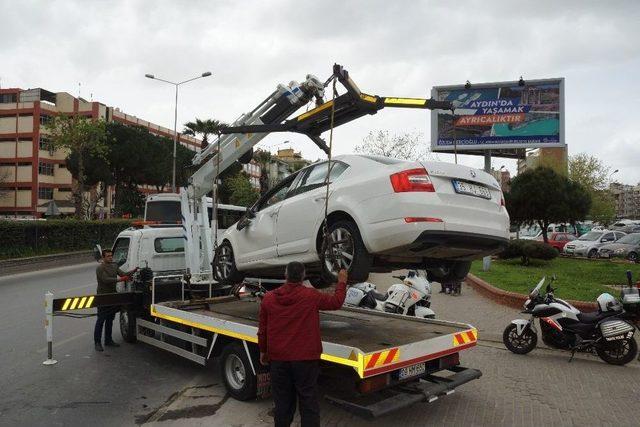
(326, 245)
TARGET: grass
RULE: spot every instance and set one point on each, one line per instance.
(577, 279)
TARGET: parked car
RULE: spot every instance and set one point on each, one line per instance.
(627, 247)
(383, 214)
(588, 244)
(625, 225)
(558, 240)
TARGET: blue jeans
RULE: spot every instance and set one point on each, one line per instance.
(105, 319)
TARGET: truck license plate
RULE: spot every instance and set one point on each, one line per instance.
(462, 187)
(412, 371)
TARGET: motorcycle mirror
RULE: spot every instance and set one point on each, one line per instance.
(629, 278)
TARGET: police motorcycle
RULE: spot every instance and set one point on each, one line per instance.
(412, 297)
(564, 327)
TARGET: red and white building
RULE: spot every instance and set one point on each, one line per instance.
(32, 174)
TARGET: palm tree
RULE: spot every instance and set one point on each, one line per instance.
(203, 127)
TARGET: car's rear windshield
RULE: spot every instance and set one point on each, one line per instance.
(384, 160)
(630, 239)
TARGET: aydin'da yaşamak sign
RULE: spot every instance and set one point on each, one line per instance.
(499, 115)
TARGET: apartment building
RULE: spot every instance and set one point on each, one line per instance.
(32, 173)
(627, 200)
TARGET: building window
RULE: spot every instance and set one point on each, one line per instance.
(62, 166)
(64, 190)
(44, 119)
(45, 168)
(45, 193)
(45, 143)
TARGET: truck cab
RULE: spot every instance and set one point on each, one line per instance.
(160, 249)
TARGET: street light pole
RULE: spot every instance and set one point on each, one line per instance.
(175, 119)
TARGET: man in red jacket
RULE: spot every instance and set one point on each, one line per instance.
(289, 339)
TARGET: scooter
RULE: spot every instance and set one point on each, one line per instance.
(563, 326)
(412, 297)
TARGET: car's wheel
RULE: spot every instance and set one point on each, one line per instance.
(454, 271)
(619, 352)
(519, 344)
(344, 248)
(128, 326)
(224, 263)
(235, 370)
(592, 253)
(633, 256)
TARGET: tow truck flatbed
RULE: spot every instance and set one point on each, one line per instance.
(371, 342)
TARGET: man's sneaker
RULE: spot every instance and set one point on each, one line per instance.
(99, 347)
(112, 344)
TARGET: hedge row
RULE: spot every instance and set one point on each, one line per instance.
(527, 249)
(26, 238)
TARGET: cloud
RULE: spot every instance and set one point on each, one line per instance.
(390, 48)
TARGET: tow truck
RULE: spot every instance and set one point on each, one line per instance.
(382, 362)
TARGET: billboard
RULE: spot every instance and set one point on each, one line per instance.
(501, 115)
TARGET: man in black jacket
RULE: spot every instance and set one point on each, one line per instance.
(108, 275)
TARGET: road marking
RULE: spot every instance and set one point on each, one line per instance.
(46, 271)
(62, 342)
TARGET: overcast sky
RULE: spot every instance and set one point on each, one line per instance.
(400, 48)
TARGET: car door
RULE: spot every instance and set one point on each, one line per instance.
(257, 241)
(303, 209)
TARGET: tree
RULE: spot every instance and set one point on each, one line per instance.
(588, 171)
(204, 128)
(82, 137)
(263, 158)
(242, 193)
(542, 196)
(594, 176)
(407, 146)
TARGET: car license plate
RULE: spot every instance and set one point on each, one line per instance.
(463, 187)
(412, 371)
(604, 256)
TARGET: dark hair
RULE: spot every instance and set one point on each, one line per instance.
(295, 272)
(106, 251)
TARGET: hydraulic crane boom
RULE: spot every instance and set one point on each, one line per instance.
(236, 143)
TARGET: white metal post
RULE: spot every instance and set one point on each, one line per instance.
(48, 324)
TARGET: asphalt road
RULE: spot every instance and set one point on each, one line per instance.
(139, 384)
(121, 386)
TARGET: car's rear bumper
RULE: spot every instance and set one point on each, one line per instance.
(456, 245)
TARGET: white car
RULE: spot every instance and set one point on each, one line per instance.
(383, 214)
(588, 244)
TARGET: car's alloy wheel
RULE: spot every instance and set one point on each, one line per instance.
(225, 265)
(592, 253)
(344, 248)
(633, 257)
(339, 251)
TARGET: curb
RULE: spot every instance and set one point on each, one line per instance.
(514, 299)
(19, 265)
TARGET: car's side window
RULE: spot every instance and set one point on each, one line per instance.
(608, 237)
(316, 176)
(276, 194)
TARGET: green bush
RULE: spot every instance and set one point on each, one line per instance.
(27, 238)
(528, 249)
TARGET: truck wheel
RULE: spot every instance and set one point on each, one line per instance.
(128, 326)
(235, 370)
(346, 246)
(225, 266)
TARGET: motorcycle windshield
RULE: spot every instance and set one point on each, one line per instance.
(536, 291)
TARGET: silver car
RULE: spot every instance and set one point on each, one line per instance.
(588, 244)
(628, 247)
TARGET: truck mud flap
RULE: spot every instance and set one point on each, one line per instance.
(428, 389)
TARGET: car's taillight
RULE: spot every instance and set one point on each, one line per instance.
(412, 180)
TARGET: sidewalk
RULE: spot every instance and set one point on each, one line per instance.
(487, 316)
